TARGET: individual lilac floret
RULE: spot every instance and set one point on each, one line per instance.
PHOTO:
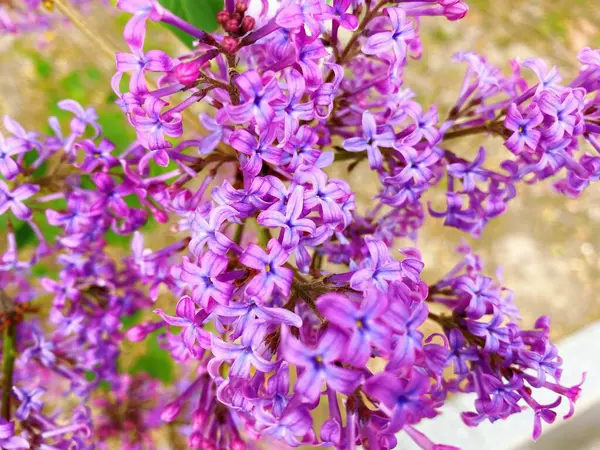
(190, 319)
(319, 366)
(371, 141)
(271, 271)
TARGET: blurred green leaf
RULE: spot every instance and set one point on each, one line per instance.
(155, 361)
(131, 320)
(43, 66)
(202, 15)
(24, 235)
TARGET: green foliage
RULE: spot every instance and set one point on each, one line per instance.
(155, 361)
(202, 15)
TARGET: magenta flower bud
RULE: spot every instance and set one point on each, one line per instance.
(187, 73)
(238, 444)
(198, 418)
(223, 17)
(170, 412)
(248, 24)
(196, 440)
(137, 333)
(232, 26)
(241, 6)
(229, 44)
(454, 9)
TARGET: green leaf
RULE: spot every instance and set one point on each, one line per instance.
(155, 361)
(202, 15)
(131, 320)
(24, 235)
(205, 16)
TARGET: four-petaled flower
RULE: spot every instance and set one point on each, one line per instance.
(204, 280)
(152, 127)
(523, 125)
(403, 399)
(13, 200)
(187, 317)
(290, 223)
(360, 320)
(258, 93)
(382, 41)
(29, 401)
(254, 151)
(378, 270)
(371, 141)
(318, 364)
(270, 268)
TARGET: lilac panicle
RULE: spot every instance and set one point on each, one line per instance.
(276, 293)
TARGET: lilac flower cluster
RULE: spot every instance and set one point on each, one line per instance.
(287, 297)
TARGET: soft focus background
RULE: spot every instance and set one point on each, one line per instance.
(547, 246)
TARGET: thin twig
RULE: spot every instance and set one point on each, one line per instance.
(9, 350)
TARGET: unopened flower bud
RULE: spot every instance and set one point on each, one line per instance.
(248, 24)
(232, 26)
(454, 9)
(187, 73)
(241, 6)
(137, 333)
(196, 440)
(170, 412)
(223, 17)
(229, 44)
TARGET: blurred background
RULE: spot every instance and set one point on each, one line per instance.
(547, 246)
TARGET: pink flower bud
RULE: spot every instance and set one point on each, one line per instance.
(170, 412)
(196, 440)
(137, 333)
(248, 24)
(187, 73)
(223, 17)
(229, 44)
(454, 9)
(232, 26)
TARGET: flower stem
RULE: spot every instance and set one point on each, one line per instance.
(9, 350)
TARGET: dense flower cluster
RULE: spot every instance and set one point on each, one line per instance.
(287, 297)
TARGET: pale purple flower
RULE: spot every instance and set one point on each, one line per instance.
(319, 366)
(244, 355)
(13, 200)
(403, 399)
(28, 401)
(204, 279)
(258, 93)
(8, 440)
(187, 317)
(97, 155)
(360, 320)
(469, 174)
(417, 165)
(290, 223)
(153, 127)
(381, 41)
(255, 151)
(271, 272)
(371, 141)
(378, 270)
(8, 167)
